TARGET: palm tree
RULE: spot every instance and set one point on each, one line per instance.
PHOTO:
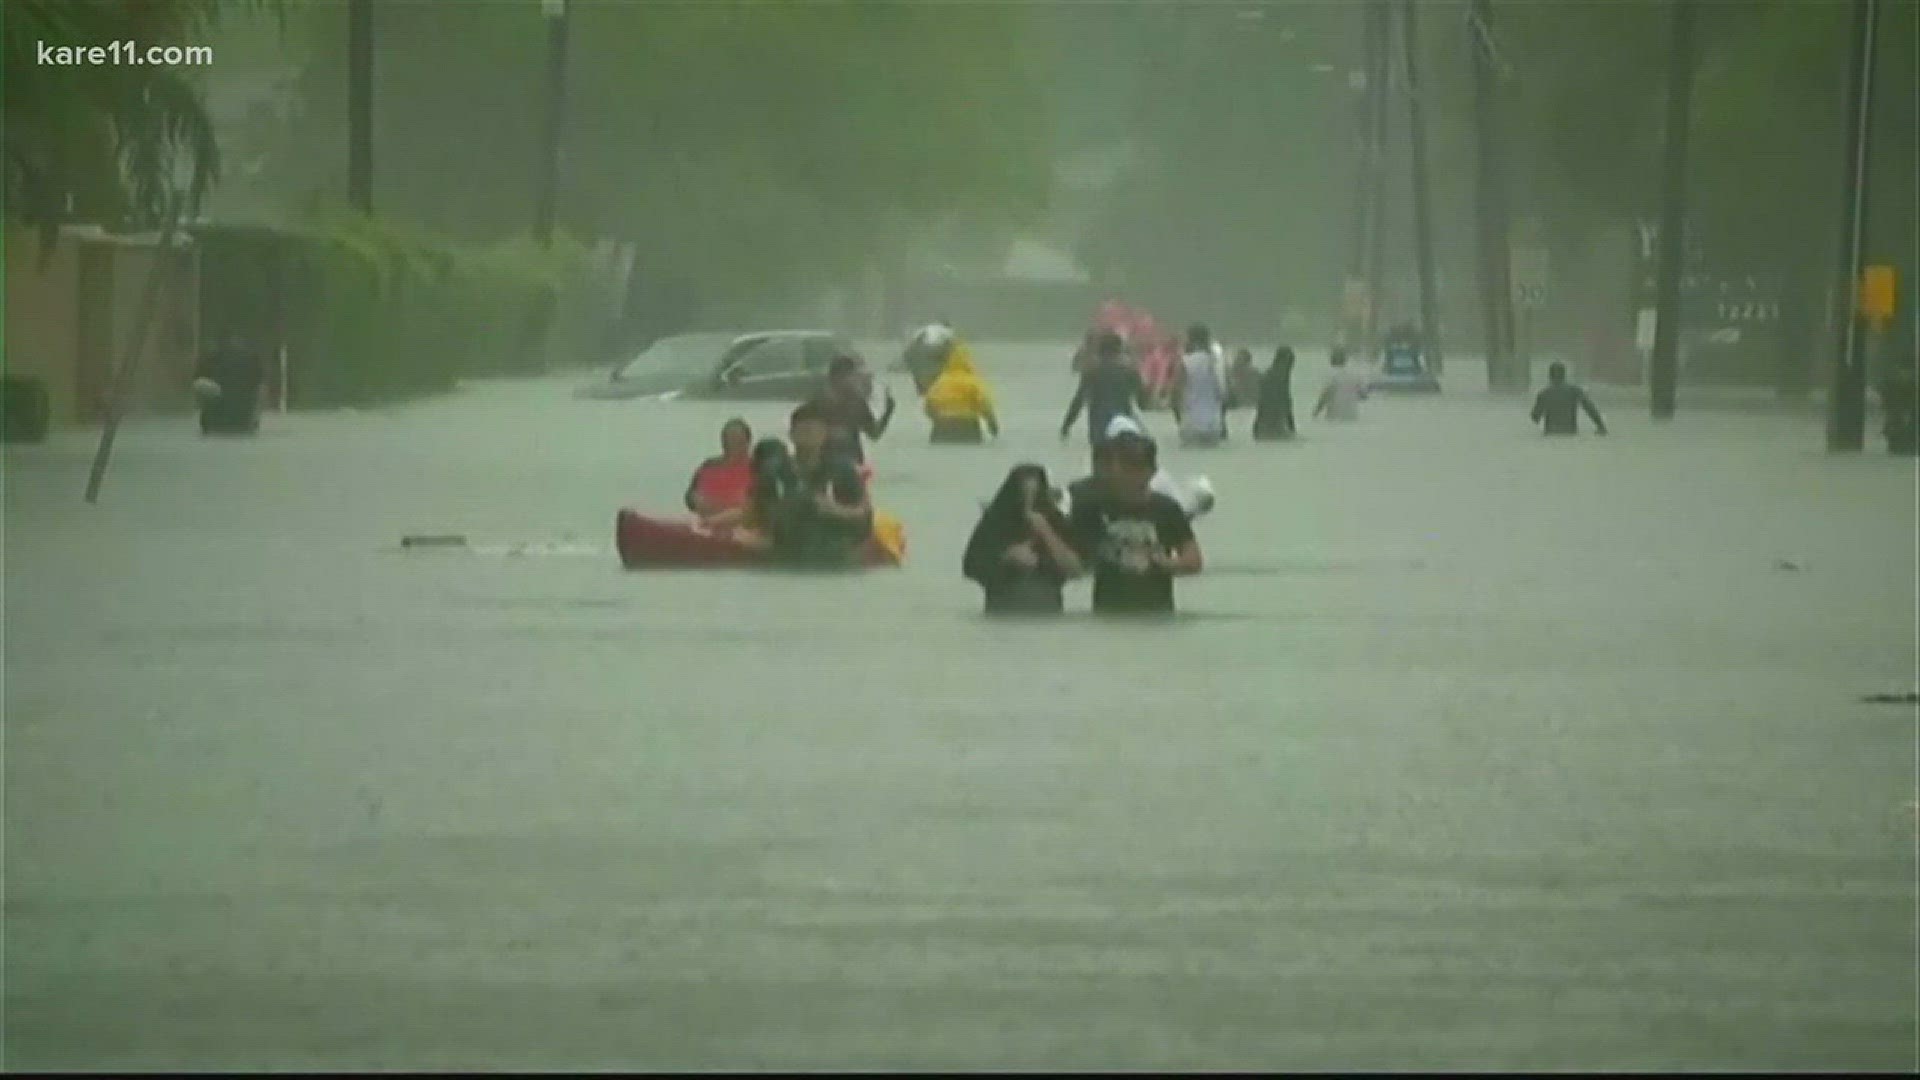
(104, 143)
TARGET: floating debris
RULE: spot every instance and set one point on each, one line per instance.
(433, 540)
(1911, 697)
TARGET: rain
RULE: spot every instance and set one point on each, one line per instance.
(409, 666)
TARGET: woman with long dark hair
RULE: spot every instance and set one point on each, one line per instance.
(1274, 417)
(1018, 553)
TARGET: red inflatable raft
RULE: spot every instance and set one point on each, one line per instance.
(654, 543)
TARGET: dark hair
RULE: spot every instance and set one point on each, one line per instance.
(1338, 356)
(1556, 371)
(842, 365)
(775, 478)
(737, 422)
(1007, 499)
(769, 451)
(1107, 345)
(1003, 521)
(1283, 356)
(1198, 337)
(811, 410)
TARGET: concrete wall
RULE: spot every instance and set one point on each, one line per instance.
(69, 328)
(165, 368)
(42, 320)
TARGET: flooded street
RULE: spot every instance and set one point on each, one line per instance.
(1471, 750)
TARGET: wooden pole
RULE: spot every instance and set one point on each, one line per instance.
(1665, 366)
(1380, 69)
(130, 356)
(1506, 364)
(1847, 404)
(1422, 210)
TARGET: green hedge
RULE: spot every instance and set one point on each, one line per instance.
(379, 310)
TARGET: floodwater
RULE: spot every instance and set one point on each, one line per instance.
(1472, 751)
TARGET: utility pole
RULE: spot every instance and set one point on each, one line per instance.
(1847, 404)
(1673, 211)
(1357, 295)
(553, 146)
(546, 305)
(1422, 216)
(1506, 369)
(360, 105)
(1380, 78)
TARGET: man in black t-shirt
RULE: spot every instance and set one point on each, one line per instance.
(1561, 403)
(1135, 540)
(830, 516)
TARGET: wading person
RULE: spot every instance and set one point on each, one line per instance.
(227, 383)
(924, 352)
(1243, 381)
(1200, 391)
(1111, 388)
(1273, 416)
(827, 517)
(1559, 406)
(958, 403)
(1345, 389)
(1134, 539)
(847, 410)
(1018, 553)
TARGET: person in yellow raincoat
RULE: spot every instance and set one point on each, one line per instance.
(958, 402)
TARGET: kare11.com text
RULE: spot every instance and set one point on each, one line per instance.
(124, 54)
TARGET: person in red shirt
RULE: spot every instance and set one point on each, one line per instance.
(722, 483)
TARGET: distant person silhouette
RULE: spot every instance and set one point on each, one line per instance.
(1561, 403)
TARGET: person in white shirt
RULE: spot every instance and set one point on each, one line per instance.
(1200, 393)
(1345, 390)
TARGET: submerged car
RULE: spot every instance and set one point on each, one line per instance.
(768, 365)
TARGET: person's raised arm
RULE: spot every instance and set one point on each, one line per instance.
(874, 428)
(1593, 413)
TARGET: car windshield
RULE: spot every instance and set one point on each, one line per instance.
(691, 355)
